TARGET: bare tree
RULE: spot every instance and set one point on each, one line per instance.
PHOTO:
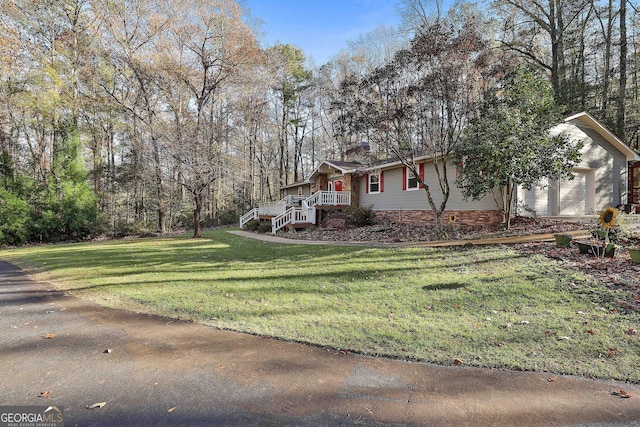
(532, 26)
(208, 47)
(130, 80)
(420, 102)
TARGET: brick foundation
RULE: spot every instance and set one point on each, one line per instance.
(463, 219)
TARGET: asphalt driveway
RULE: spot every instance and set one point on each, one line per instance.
(159, 371)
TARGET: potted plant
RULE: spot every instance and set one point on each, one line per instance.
(564, 240)
(602, 246)
(598, 249)
(634, 253)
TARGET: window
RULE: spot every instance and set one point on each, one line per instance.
(412, 182)
(375, 183)
(409, 181)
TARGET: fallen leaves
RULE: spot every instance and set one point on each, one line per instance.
(457, 362)
(612, 352)
(170, 410)
(45, 393)
(97, 405)
(615, 273)
(621, 393)
(49, 336)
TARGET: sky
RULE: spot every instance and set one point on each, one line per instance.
(320, 27)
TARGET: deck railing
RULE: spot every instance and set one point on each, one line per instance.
(272, 208)
(329, 198)
(296, 209)
(294, 200)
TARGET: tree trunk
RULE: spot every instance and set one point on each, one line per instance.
(159, 186)
(622, 93)
(507, 201)
(197, 198)
(555, 81)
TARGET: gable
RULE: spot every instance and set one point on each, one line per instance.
(596, 133)
(334, 168)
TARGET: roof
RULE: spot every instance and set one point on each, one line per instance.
(594, 124)
(342, 167)
(296, 184)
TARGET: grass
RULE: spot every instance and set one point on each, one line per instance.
(487, 307)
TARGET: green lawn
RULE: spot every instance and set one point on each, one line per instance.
(486, 306)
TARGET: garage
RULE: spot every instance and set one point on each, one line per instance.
(537, 200)
(570, 197)
(574, 196)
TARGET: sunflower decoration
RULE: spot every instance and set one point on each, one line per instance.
(452, 218)
(608, 218)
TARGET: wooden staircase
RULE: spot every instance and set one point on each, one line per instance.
(296, 211)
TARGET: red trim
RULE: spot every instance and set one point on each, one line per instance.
(422, 173)
(381, 181)
(404, 178)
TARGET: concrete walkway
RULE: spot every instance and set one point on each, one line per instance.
(163, 372)
(439, 243)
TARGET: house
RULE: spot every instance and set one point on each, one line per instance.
(607, 175)
(386, 186)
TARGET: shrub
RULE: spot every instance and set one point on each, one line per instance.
(252, 225)
(123, 228)
(362, 216)
(227, 217)
(14, 218)
(264, 227)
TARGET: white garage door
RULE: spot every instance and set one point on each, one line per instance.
(573, 195)
(537, 199)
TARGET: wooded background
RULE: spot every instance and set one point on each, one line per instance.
(120, 117)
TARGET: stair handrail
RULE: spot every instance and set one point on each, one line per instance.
(252, 214)
(306, 212)
(278, 222)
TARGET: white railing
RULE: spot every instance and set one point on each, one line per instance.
(281, 220)
(294, 200)
(296, 209)
(303, 215)
(252, 214)
(329, 198)
(272, 208)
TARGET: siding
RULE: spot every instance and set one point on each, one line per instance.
(395, 198)
(605, 168)
(608, 163)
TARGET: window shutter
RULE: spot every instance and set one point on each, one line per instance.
(404, 178)
(422, 173)
(366, 180)
(381, 181)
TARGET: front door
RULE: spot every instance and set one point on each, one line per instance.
(337, 186)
